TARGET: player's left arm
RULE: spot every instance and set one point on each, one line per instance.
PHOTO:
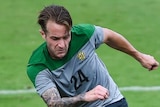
(117, 41)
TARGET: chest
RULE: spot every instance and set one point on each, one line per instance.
(77, 75)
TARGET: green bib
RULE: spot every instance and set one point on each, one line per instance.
(40, 59)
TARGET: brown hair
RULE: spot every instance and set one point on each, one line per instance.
(55, 13)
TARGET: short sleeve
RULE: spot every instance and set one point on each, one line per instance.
(44, 81)
(97, 37)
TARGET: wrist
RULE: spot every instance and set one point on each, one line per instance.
(81, 97)
(137, 55)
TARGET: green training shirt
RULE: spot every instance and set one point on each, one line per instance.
(78, 72)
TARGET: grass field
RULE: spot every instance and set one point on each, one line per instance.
(137, 20)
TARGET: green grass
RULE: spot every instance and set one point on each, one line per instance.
(137, 20)
(142, 99)
(24, 100)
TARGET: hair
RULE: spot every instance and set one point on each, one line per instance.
(55, 13)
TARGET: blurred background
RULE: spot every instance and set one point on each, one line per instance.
(137, 20)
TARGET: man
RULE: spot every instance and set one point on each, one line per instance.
(65, 69)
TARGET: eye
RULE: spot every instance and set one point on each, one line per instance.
(54, 38)
(67, 36)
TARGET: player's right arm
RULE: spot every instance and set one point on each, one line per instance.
(52, 97)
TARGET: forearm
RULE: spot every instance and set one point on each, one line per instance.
(117, 41)
(53, 99)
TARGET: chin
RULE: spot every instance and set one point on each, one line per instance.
(61, 56)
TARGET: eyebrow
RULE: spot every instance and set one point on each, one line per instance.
(56, 36)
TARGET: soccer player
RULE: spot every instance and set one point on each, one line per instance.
(65, 69)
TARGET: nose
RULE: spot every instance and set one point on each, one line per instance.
(61, 43)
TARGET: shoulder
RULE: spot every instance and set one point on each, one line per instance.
(38, 55)
(32, 71)
(35, 63)
(83, 29)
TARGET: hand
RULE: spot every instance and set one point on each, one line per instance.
(99, 92)
(148, 62)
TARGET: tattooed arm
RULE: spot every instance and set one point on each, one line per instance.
(52, 99)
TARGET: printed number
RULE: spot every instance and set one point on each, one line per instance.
(82, 79)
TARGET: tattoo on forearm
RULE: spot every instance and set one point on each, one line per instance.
(53, 99)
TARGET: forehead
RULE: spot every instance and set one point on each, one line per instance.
(56, 29)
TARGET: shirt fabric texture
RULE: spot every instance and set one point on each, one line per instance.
(78, 72)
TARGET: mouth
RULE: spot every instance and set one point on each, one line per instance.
(61, 51)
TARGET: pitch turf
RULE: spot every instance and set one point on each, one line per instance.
(137, 20)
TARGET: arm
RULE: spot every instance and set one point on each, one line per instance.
(118, 42)
(53, 99)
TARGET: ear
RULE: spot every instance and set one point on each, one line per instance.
(42, 34)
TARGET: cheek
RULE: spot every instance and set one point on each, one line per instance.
(67, 45)
(68, 42)
(51, 44)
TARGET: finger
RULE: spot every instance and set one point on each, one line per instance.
(154, 66)
(106, 96)
(102, 94)
(107, 93)
(102, 97)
